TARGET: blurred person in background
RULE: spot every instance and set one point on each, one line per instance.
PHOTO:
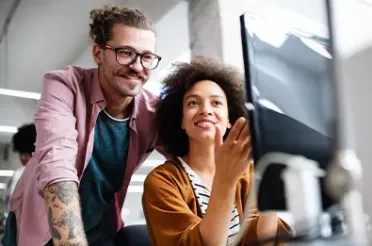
(94, 128)
(24, 145)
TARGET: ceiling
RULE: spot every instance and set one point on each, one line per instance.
(48, 35)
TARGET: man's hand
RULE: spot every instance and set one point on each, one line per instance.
(64, 216)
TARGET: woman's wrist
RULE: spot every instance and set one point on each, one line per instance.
(267, 227)
(225, 183)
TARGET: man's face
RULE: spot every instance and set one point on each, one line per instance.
(125, 80)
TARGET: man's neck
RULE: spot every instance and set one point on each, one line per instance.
(119, 109)
(117, 105)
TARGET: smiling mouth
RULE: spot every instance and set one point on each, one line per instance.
(205, 124)
(130, 77)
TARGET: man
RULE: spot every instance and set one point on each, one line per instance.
(95, 126)
(24, 144)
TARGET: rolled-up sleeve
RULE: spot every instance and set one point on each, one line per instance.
(250, 236)
(169, 219)
(56, 145)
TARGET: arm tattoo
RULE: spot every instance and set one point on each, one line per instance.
(62, 191)
(64, 216)
(68, 220)
(70, 244)
(55, 233)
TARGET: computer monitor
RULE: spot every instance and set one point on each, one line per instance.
(289, 97)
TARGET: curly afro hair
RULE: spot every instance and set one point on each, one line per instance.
(104, 19)
(24, 140)
(184, 75)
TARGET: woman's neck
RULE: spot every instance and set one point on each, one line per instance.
(201, 158)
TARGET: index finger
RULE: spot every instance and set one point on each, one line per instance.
(218, 139)
(236, 129)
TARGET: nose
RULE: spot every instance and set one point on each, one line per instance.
(206, 109)
(136, 65)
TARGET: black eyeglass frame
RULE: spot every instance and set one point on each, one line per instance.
(117, 49)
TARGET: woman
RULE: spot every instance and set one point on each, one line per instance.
(198, 197)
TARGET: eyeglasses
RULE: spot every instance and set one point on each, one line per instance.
(127, 56)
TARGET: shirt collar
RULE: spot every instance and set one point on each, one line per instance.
(96, 94)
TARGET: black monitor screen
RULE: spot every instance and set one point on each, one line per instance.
(290, 96)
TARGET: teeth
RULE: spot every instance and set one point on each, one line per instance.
(204, 123)
(131, 77)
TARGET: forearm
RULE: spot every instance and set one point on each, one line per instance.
(64, 214)
(214, 227)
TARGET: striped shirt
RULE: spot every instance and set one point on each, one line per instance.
(203, 193)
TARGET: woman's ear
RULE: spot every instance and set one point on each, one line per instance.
(229, 125)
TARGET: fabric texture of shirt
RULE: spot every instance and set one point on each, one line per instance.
(70, 102)
(203, 193)
(103, 175)
(173, 214)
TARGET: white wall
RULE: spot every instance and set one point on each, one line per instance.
(354, 40)
(12, 162)
(16, 111)
(2, 162)
(3, 53)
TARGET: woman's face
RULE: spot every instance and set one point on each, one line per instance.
(204, 108)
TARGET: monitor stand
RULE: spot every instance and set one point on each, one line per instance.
(304, 203)
(343, 182)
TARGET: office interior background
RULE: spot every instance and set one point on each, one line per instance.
(38, 36)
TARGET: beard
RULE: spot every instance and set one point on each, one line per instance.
(122, 82)
(128, 83)
(130, 73)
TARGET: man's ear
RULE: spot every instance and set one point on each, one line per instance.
(97, 54)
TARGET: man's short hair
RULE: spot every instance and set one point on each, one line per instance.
(24, 140)
(105, 18)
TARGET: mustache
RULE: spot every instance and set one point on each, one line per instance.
(131, 73)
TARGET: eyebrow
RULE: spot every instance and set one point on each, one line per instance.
(195, 95)
(131, 48)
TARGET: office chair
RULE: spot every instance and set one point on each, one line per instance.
(135, 235)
